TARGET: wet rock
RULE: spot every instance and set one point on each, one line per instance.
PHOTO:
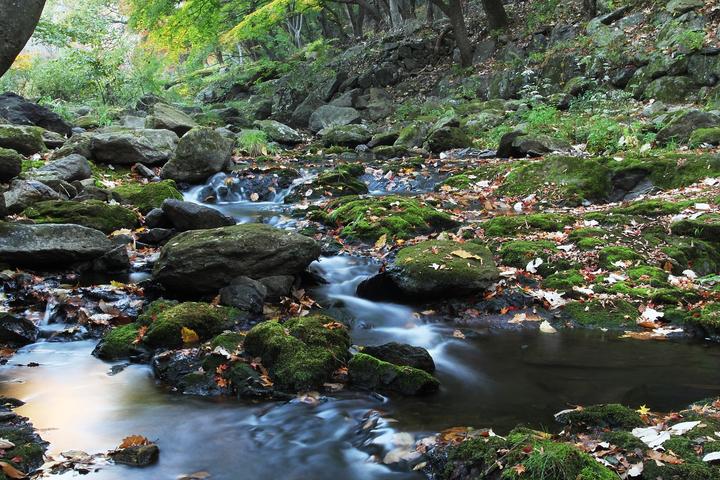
(468, 268)
(368, 372)
(116, 260)
(165, 117)
(137, 456)
(17, 331)
(279, 132)
(185, 216)
(128, 147)
(24, 193)
(148, 196)
(91, 213)
(25, 140)
(207, 260)
(200, 153)
(165, 328)
(19, 111)
(156, 236)
(402, 354)
(119, 343)
(518, 144)
(244, 293)
(278, 286)
(50, 245)
(331, 116)
(10, 164)
(680, 129)
(70, 168)
(446, 134)
(156, 218)
(144, 171)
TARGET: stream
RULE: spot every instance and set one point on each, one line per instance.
(492, 379)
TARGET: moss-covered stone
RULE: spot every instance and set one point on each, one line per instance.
(643, 274)
(512, 225)
(614, 314)
(118, 343)
(302, 353)
(654, 207)
(564, 281)
(204, 319)
(468, 178)
(366, 371)
(151, 312)
(705, 227)
(690, 253)
(28, 452)
(519, 253)
(709, 136)
(23, 139)
(230, 341)
(89, 213)
(609, 256)
(148, 196)
(602, 416)
(335, 183)
(399, 217)
(706, 321)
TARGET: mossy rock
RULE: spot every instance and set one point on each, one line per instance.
(615, 314)
(338, 182)
(705, 227)
(204, 319)
(230, 341)
(709, 136)
(89, 213)
(609, 218)
(474, 176)
(602, 416)
(28, 453)
(672, 170)
(118, 343)
(706, 321)
(474, 455)
(302, 353)
(23, 139)
(690, 253)
(151, 312)
(609, 256)
(518, 253)
(564, 280)
(443, 268)
(397, 217)
(653, 276)
(148, 196)
(510, 225)
(368, 372)
(654, 207)
(588, 238)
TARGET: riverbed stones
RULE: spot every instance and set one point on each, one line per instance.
(136, 455)
(279, 132)
(244, 293)
(19, 111)
(17, 330)
(681, 127)
(24, 193)
(205, 320)
(70, 168)
(435, 268)
(131, 146)
(22, 139)
(185, 216)
(10, 164)
(519, 144)
(204, 261)
(50, 245)
(169, 118)
(200, 153)
(331, 116)
(368, 372)
(346, 135)
(402, 354)
(147, 196)
(90, 213)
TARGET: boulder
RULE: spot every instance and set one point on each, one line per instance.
(279, 132)
(166, 117)
(446, 134)
(50, 245)
(301, 115)
(278, 286)
(468, 268)
(244, 293)
(10, 164)
(670, 89)
(136, 455)
(79, 143)
(678, 7)
(147, 196)
(127, 147)
(681, 127)
(19, 111)
(207, 260)
(52, 139)
(368, 372)
(402, 354)
(519, 144)
(200, 153)
(330, 116)
(23, 139)
(24, 193)
(346, 135)
(705, 136)
(70, 168)
(193, 216)
(17, 331)
(90, 213)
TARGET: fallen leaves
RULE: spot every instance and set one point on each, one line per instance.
(11, 471)
(134, 441)
(189, 336)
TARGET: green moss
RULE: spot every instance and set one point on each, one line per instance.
(204, 319)
(302, 353)
(603, 416)
(705, 227)
(470, 177)
(511, 225)
(230, 341)
(475, 454)
(153, 310)
(653, 276)
(609, 218)
(596, 314)
(590, 243)
(118, 343)
(519, 253)
(624, 440)
(710, 136)
(564, 281)
(148, 196)
(90, 213)
(370, 218)
(706, 321)
(368, 372)
(610, 255)
(335, 183)
(690, 253)
(559, 461)
(655, 207)
(22, 139)
(588, 238)
(28, 453)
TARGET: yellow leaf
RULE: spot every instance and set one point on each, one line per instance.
(464, 254)
(382, 241)
(11, 471)
(189, 335)
(643, 410)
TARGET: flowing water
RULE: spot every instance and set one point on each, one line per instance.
(491, 379)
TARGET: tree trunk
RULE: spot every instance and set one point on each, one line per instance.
(590, 8)
(395, 16)
(18, 19)
(495, 11)
(453, 10)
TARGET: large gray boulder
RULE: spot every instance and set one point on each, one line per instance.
(331, 116)
(200, 153)
(23, 193)
(346, 135)
(519, 144)
(680, 128)
(168, 118)
(128, 147)
(203, 261)
(10, 164)
(50, 245)
(23, 139)
(192, 216)
(279, 132)
(70, 168)
(19, 111)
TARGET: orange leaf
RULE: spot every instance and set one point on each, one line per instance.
(11, 471)
(134, 441)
